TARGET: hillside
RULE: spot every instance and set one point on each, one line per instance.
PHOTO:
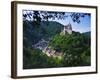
(33, 33)
(87, 33)
(74, 48)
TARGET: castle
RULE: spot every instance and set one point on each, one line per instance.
(67, 29)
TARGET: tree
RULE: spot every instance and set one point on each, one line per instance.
(75, 48)
(39, 16)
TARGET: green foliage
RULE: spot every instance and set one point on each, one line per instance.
(32, 34)
(76, 48)
(34, 58)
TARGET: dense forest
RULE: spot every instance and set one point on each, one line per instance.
(75, 47)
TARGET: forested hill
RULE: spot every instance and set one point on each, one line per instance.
(75, 47)
(32, 32)
(87, 33)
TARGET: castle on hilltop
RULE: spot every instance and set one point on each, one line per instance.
(67, 29)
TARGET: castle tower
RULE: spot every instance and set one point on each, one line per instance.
(67, 29)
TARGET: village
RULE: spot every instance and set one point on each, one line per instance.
(43, 44)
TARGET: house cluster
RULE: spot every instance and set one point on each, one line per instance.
(51, 52)
(43, 45)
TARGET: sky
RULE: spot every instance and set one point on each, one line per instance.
(83, 26)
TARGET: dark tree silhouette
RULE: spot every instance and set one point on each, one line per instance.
(39, 16)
